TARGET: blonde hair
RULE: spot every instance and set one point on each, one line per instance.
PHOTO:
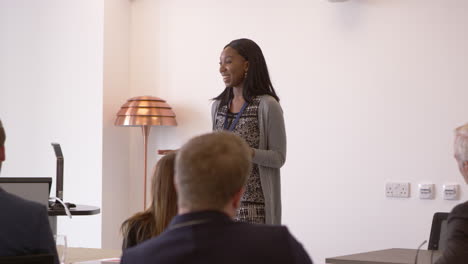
(461, 142)
(210, 169)
(154, 220)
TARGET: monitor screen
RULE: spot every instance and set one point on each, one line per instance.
(59, 177)
(33, 189)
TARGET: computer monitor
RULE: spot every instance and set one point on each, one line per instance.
(34, 189)
(59, 177)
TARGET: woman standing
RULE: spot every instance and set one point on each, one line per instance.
(249, 107)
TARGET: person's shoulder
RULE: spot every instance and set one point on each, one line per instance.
(460, 210)
(215, 105)
(134, 252)
(268, 102)
(269, 228)
(145, 250)
(267, 99)
(263, 231)
(265, 227)
(278, 229)
(215, 102)
(268, 236)
(19, 202)
(22, 210)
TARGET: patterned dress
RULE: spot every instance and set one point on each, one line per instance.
(252, 208)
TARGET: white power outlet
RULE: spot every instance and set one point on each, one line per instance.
(389, 189)
(397, 189)
(402, 190)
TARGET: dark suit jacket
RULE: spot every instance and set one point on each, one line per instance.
(212, 237)
(24, 227)
(456, 249)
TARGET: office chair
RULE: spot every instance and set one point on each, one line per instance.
(29, 259)
(437, 238)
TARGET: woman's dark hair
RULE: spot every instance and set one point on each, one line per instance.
(257, 82)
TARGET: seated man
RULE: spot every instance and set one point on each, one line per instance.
(456, 250)
(210, 173)
(24, 225)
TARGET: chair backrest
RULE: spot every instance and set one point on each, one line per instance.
(438, 239)
(29, 259)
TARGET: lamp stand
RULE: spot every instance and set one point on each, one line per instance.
(145, 130)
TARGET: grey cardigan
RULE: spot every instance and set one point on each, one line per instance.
(270, 155)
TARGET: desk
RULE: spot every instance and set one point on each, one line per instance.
(75, 255)
(387, 256)
(78, 210)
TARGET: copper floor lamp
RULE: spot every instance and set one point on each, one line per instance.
(145, 112)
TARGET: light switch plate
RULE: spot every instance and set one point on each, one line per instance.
(426, 191)
(450, 191)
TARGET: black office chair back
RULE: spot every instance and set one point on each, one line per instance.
(437, 238)
(29, 259)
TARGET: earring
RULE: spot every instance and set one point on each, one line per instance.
(245, 75)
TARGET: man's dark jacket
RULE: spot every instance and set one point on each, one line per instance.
(24, 227)
(456, 249)
(212, 237)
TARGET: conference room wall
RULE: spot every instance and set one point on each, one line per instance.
(116, 140)
(371, 92)
(51, 77)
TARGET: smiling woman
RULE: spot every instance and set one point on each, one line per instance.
(249, 107)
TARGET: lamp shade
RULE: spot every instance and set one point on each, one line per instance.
(145, 111)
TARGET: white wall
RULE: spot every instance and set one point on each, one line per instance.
(50, 91)
(116, 140)
(371, 91)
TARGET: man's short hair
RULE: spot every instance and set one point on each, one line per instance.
(461, 142)
(2, 135)
(210, 169)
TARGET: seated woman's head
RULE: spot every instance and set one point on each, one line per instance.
(163, 207)
(164, 200)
